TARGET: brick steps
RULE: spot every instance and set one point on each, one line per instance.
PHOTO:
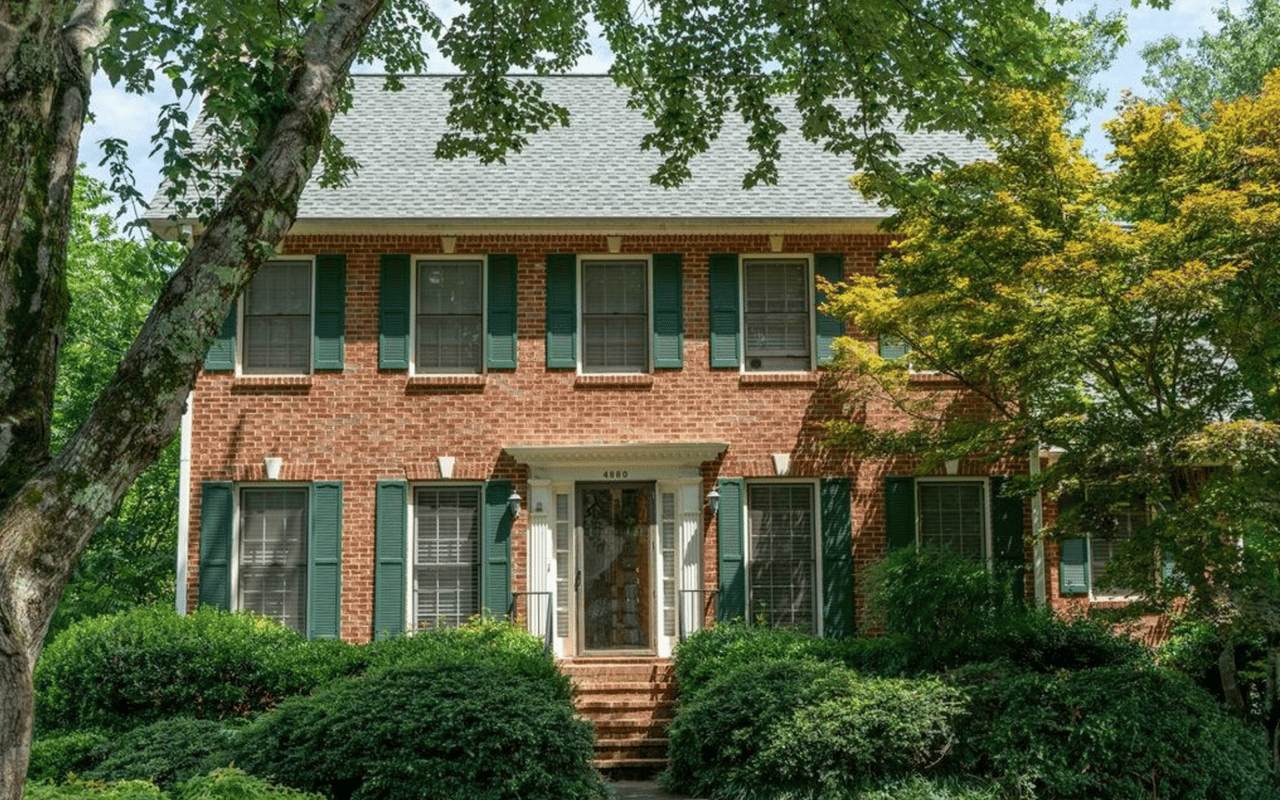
(630, 701)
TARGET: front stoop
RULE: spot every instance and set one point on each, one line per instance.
(630, 701)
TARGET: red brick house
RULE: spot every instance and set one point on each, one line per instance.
(555, 388)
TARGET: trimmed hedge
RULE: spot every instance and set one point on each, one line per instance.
(804, 729)
(221, 784)
(55, 757)
(166, 752)
(94, 790)
(1113, 732)
(470, 729)
(126, 670)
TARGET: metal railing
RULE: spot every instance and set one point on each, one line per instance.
(551, 622)
(711, 599)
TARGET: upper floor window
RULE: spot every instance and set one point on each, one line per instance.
(764, 311)
(290, 320)
(277, 320)
(449, 317)
(615, 316)
(775, 314)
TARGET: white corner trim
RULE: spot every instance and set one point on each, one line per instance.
(184, 508)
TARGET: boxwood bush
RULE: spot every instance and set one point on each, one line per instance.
(94, 790)
(469, 727)
(56, 756)
(166, 752)
(807, 729)
(125, 670)
(1118, 733)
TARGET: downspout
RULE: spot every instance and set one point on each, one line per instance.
(1037, 543)
(184, 508)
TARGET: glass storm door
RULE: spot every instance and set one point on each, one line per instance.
(617, 566)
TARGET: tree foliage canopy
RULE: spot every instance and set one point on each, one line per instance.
(1125, 319)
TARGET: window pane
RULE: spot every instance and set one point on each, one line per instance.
(782, 569)
(615, 316)
(273, 554)
(1104, 548)
(446, 564)
(450, 321)
(277, 319)
(776, 314)
(953, 518)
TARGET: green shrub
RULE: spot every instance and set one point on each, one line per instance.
(920, 788)
(55, 757)
(166, 752)
(230, 783)
(1114, 733)
(93, 790)
(125, 670)
(1046, 642)
(807, 729)
(714, 651)
(463, 728)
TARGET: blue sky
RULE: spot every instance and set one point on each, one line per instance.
(132, 118)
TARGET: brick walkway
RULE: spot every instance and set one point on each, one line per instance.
(641, 790)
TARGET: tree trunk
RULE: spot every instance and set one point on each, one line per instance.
(46, 519)
(1228, 673)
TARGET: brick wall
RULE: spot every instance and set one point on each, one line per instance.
(366, 424)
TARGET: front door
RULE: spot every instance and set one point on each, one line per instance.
(616, 522)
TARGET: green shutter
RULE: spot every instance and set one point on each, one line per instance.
(726, 321)
(495, 550)
(324, 554)
(899, 512)
(1073, 566)
(562, 311)
(391, 540)
(668, 311)
(217, 511)
(831, 267)
(837, 560)
(1007, 536)
(893, 348)
(222, 353)
(731, 539)
(500, 321)
(394, 302)
(329, 323)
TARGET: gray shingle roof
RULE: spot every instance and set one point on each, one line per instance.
(593, 169)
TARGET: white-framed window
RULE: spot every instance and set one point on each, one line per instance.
(954, 517)
(783, 569)
(271, 553)
(448, 320)
(276, 313)
(777, 313)
(1103, 548)
(446, 555)
(615, 315)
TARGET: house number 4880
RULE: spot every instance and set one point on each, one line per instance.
(614, 474)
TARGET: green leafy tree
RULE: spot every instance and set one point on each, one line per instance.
(1221, 65)
(1126, 318)
(115, 280)
(272, 76)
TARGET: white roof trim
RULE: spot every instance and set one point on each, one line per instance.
(678, 454)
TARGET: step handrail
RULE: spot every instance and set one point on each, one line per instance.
(551, 622)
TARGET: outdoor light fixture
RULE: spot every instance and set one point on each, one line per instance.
(513, 505)
(713, 501)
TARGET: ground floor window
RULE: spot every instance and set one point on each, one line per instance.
(272, 568)
(782, 563)
(447, 555)
(953, 517)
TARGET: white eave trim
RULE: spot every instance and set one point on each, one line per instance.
(461, 226)
(681, 454)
